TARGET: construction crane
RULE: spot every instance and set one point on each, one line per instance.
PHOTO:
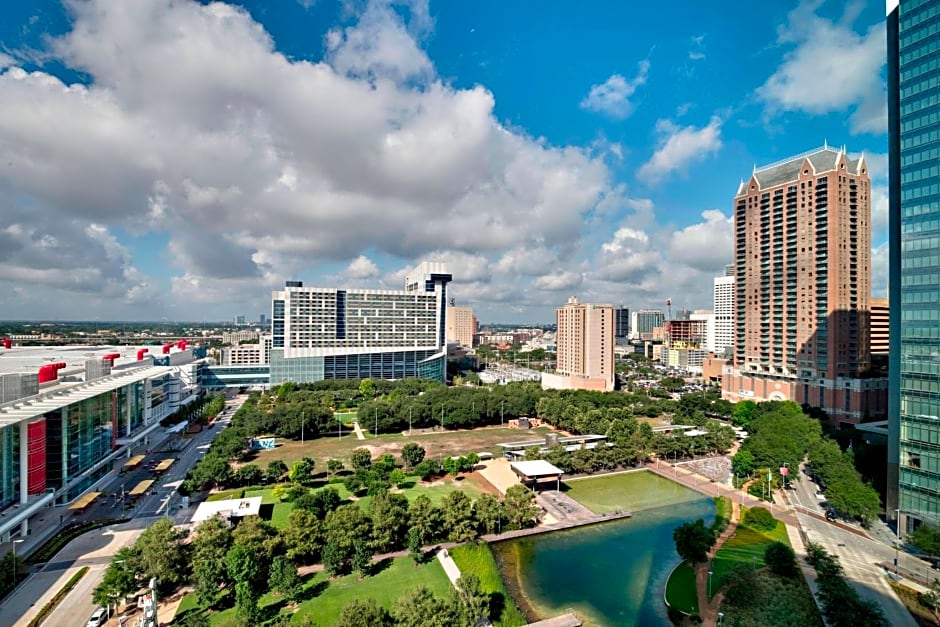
(668, 309)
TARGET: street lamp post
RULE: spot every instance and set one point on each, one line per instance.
(897, 544)
(709, 585)
(15, 542)
(721, 615)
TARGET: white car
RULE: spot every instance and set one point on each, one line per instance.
(820, 496)
(98, 618)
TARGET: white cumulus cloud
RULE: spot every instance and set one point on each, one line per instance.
(362, 268)
(612, 97)
(830, 67)
(679, 146)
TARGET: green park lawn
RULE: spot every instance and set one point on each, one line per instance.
(395, 578)
(478, 559)
(187, 604)
(347, 416)
(680, 589)
(324, 598)
(224, 495)
(746, 546)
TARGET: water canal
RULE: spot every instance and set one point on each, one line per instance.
(610, 574)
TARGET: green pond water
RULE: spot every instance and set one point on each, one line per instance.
(610, 574)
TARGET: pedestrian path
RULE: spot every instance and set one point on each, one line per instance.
(865, 576)
(359, 434)
(449, 565)
(708, 607)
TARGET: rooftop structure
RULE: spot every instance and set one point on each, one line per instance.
(228, 509)
(535, 471)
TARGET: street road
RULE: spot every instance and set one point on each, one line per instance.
(803, 492)
(860, 558)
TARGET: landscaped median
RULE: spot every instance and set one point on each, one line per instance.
(756, 573)
(477, 559)
(57, 542)
(680, 593)
(54, 601)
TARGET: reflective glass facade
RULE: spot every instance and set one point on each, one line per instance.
(914, 112)
(425, 364)
(9, 465)
(217, 377)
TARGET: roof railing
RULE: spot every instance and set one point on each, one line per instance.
(825, 146)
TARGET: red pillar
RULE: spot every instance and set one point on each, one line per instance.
(36, 456)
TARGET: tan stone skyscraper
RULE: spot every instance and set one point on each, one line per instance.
(803, 284)
(585, 345)
(461, 325)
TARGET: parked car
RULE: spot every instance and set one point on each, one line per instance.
(820, 496)
(98, 618)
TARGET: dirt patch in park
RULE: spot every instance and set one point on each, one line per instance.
(437, 445)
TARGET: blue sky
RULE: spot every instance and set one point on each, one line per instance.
(181, 160)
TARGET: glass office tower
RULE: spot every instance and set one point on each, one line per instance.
(914, 206)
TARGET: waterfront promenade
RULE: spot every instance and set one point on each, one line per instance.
(860, 556)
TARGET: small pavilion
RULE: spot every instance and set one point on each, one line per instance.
(535, 471)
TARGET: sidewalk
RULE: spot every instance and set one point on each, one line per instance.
(359, 434)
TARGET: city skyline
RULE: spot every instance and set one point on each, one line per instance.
(190, 175)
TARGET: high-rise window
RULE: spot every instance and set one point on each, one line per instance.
(914, 201)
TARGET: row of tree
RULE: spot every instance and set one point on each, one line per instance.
(12, 568)
(201, 410)
(842, 605)
(781, 434)
(255, 557)
(385, 406)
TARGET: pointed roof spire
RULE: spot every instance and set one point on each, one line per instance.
(825, 144)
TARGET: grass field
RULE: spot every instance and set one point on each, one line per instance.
(395, 579)
(439, 444)
(224, 495)
(346, 416)
(746, 546)
(680, 589)
(478, 560)
(324, 599)
(630, 491)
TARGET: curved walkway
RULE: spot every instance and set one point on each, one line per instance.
(862, 574)
(708, 608)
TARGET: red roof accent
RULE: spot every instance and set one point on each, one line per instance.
(50, 372)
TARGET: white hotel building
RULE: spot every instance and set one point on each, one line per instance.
(332, 333)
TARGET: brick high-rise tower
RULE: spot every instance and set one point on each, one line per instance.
(803, 284)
